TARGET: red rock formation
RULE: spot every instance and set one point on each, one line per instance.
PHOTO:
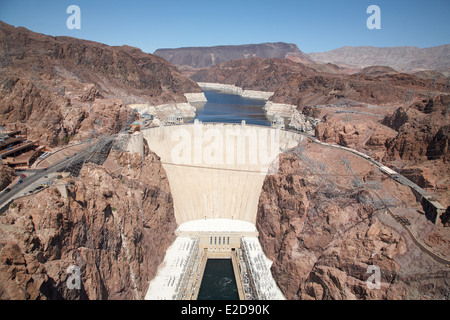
(6, 176)
(423, 131)
(305, 85)
(323, 88)
(115, 229)
(203, 57)
(322, 239)
(56, 88)
(358, 133)
(253, 73)
(53, 120)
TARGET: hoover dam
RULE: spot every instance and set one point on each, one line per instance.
(216, 172)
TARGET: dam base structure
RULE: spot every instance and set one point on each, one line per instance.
(216, 172)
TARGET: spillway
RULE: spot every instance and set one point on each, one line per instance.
(216, 172)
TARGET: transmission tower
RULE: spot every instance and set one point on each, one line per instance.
(356, 181)
(316, 169)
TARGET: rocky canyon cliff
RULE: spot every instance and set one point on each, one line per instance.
(323, 231)
(58, 89)
(114, 228)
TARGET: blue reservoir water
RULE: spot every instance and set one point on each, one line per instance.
(231, 108)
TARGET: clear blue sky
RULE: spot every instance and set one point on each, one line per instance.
(313, 25)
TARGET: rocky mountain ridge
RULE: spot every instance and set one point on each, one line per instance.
(115, 229)
(407, 59)
(253, 73)
(324, 233)
(58, 88)
(205, 57)
(306, 85)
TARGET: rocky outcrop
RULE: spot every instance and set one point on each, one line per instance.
(280, 109)
(423, 131)
(307, 85)
(114, 228)
(195, 97)
(322, 241)
(420, 147)
(326, 89)
(109, 68)
(58, 88)
(253, 73)
(6, 176)
(361, 134)
(53, 120)
(303, 123)
(163, 111)
(413, 140)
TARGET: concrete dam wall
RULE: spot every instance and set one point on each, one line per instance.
(217, 170)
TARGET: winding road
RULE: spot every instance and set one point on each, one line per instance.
(8, 197)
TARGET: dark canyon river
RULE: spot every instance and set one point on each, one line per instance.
(231, 108)
(218, 281)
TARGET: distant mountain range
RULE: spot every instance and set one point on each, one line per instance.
(353, 59)
(54, 88)
(407, 59)
(204, 57)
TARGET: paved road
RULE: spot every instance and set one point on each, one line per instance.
(402, 180)
(38, 174)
